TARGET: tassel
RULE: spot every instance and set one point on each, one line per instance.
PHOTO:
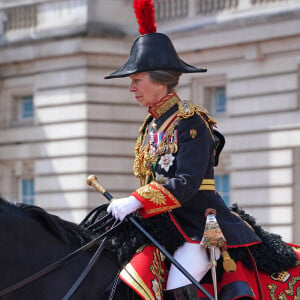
(145, 15)
(229, 264)
(212, 236)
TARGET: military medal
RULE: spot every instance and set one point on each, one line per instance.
(160, 178)
(166, 161)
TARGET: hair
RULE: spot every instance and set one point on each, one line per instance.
(166, 77)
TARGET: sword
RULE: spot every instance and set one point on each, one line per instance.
(213, 238)
(213, 262)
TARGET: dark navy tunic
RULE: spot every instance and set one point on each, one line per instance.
(182, 172)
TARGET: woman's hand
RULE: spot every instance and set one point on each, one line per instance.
(122, 207)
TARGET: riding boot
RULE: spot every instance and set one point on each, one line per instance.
(187, 292)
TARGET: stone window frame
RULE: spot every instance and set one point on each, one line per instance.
(23, 114)
(28, 198)
(201, 88)
(9, 103)
(23, 169)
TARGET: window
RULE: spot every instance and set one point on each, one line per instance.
(27, 191)
(210, 91)
(25, 108)
(219, 100)
(215, 100)
(223, 187)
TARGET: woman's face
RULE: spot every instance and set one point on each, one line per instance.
(146, 92)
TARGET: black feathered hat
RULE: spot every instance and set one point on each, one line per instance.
(151, 50)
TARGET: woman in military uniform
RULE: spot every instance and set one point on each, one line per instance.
(175, 154)
(174, 159)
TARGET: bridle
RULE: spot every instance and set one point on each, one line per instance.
(102, 237)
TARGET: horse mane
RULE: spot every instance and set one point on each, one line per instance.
(66, 231)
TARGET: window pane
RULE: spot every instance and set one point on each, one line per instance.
(28, 191)
(223, 186)
(219, 100)
(26, 109)
(24, 187)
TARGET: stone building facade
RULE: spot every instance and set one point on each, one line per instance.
(61, 121)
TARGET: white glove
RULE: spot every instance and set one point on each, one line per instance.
(122, 207)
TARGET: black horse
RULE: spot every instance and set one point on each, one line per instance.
(31, 239)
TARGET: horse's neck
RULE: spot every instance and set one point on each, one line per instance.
(27, 238)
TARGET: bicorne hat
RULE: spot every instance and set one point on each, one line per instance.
(151, 50)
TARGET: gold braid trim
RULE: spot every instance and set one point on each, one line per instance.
(143, 162)
(164, 105)
(142, 129)
(139, 151)
(158, 197)
(153, 195)
(186, 109)
(296, 248)
(131, 277)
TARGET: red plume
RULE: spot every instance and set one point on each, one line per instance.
(145, 15)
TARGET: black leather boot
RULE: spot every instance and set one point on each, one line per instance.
(187, 292)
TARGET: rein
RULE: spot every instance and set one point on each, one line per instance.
(58, 263)
(92, 180)
(89, 266)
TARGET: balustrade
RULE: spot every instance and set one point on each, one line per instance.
(175, 9)
(42, 14)
(214, 6)
(21, 18)
(47, 14)
(257, 2)
(171, 9)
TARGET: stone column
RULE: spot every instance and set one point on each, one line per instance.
(3, 19)
(192, 8)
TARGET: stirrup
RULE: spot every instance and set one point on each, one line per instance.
(187, 292)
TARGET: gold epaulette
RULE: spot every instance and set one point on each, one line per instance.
(187, 109)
